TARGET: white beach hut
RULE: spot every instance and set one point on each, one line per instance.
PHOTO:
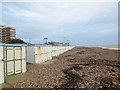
(39, 53)
(12, 60)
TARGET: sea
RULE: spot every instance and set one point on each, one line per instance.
(114, 47)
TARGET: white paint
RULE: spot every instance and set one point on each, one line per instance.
(1, 66)
(41, 54)
(30, 54)
(24, 59)
(10, 64)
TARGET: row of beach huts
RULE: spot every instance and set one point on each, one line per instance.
(14, 57)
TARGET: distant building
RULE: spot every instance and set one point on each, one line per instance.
(46, 42)
(67, 44)
(56, 44)
(7, 33)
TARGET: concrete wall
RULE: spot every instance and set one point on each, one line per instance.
(44, 53)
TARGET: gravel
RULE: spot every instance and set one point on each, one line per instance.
(81, 67)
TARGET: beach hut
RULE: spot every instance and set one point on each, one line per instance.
(39, 53)
(12, 60)
(57, 50)
(54, 50)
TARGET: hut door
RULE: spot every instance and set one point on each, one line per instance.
(13, 60)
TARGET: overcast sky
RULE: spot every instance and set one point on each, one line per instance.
(82, 23)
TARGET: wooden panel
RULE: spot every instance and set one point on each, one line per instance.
(10, 53)
(10, 68)
(1, 65)
(17, 52)
(18, 66)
